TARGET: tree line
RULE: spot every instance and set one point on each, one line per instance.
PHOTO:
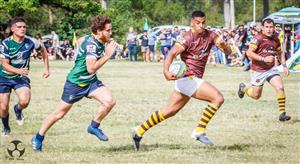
(69, 16)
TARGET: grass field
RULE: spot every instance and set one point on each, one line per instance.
(243, 131)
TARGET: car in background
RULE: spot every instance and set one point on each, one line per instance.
(45, 38)
(157, 29)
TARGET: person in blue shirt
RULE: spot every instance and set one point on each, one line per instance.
(151, 42)
(166, 42)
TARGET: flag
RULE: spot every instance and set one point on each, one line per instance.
(146, 26)
(74, 40)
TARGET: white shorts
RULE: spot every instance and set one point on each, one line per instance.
(145, 48)
(188, 85)
(259, 78)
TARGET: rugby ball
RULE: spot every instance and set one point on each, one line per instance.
(178, 68)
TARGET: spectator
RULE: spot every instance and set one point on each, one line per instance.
(144, 46)
(279, 33)
(166, 41)
(48, 46)
(55, 46)
(66, 50)
(241, 41)
(55, 41)
(151, 43)
(119, 54)
(287, 42)
(37, 54)
(131, 41)
(176, 33)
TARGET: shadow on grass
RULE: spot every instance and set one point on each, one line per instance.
(293, 121)
(143, 148)
(234, 147)
(242, 147)
(153, 147)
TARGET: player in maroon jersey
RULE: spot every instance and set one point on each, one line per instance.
(194, 48)
(263, 51)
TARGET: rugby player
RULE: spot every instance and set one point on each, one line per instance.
(194, 48)
(82, 80)
(263, 50)
(15, 52)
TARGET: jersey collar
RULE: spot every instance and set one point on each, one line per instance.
(95, 38)
(13, 39)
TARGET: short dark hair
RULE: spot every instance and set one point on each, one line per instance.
(99, 22)
(268, 20)
(198, 13)
(16, 20)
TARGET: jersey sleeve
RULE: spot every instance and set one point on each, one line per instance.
(91, 51)
(1, 51)
(4, 53)
(185, 41)
(214, 37)
(254, 43)
(36, 43)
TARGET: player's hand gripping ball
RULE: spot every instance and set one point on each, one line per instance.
(178, 68)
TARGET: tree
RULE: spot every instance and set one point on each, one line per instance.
(227, 13)
(67, 16)
(266, 7)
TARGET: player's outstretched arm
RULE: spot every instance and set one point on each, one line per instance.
(224, 47)
(46, 62)
(93, 65)
(177, 49)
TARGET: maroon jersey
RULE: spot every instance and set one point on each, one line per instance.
(264, 46)
(197, 48)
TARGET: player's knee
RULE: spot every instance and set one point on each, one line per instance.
(256, 97)
(3, 113)
(3, 107)
(280, 88)
(60, 115)
(110, 103)
(23, 103)
(219, 100)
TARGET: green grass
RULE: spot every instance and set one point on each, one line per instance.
(244, 131)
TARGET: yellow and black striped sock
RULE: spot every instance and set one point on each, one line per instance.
(154, 119)
(281, 102)
(208, 113)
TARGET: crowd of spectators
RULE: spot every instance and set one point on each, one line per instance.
(153, 45)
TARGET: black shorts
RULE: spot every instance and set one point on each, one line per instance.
(151, 48)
